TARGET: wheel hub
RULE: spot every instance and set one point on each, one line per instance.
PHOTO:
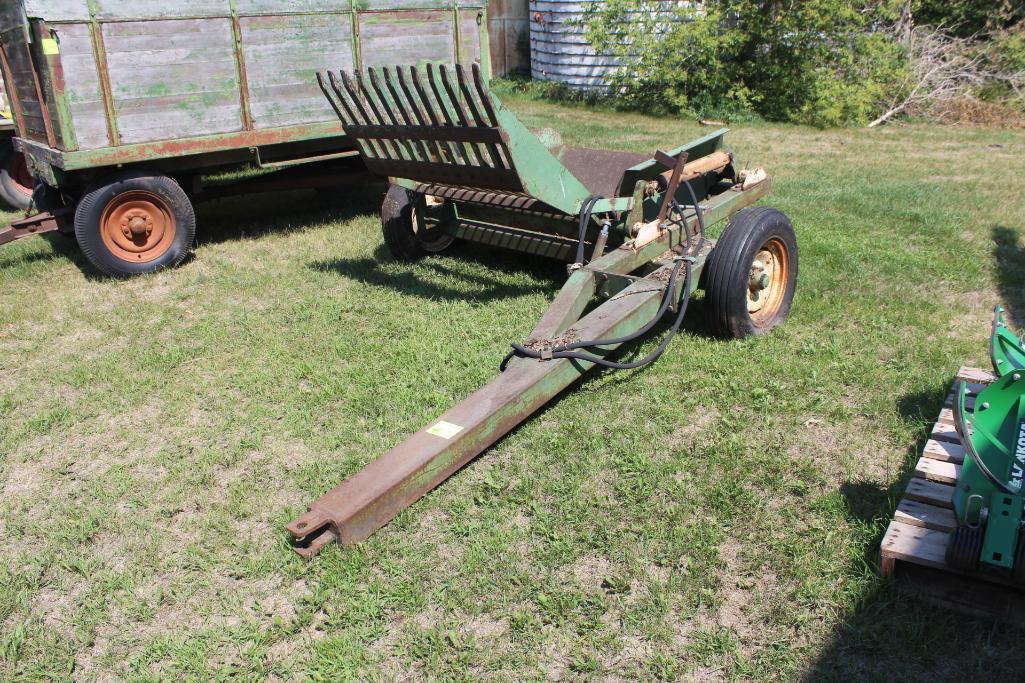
(767, 281)
(137, 226)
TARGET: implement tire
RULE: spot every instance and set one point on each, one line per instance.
(751, 273)
(400, 227)
(135, 223)
(15, 179)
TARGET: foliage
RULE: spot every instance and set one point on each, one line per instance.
(824, 62)
(967, 18)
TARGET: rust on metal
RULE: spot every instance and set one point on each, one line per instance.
(38, 224)
(393, 121)
(137, 226)
(369, 499)
(767, 283)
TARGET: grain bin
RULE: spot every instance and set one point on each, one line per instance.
(559, 49)
(561, 52)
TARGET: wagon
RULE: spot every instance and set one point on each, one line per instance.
(123, 109)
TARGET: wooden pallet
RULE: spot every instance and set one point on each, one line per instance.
(915, 543)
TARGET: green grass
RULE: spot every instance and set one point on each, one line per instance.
(714, 516)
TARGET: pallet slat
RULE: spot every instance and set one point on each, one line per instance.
(915, 513)
(937, 470)
(975, 375)
(930, 492)
(915, 544)
(944, 451)
(944, 431)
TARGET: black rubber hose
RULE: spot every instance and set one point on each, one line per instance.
(585, 218)
(697, 210)
(565, 350)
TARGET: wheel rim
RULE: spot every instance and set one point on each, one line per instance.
(431, 246)
(767, 282)
(17, 169)
(137, 226)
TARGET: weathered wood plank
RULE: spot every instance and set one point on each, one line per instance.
(469, 41)
(928, 516)
(937, 470)
(915, 544)
(82, 86)
(975, 375)
(58, 10)
(944, 431)
(283, 55)
(930, 492)
(406, 37)
(137, 9)
(164, 93)
(944, 450)
(245, 7)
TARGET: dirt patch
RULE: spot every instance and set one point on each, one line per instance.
(698, 421)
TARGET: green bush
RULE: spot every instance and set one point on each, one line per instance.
(822, 62)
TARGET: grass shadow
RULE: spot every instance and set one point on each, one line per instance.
(1009, 257)
(427, 279)
(871, 643)
(256, 215)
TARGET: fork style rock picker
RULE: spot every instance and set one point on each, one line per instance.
(631, 228)
(988, 499)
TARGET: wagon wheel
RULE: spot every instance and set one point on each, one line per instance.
(136, 224)
(751, 274)
(404, 234)
(16, 180)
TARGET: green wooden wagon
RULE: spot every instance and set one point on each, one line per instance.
(122, 108)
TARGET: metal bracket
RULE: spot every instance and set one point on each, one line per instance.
(47, 221)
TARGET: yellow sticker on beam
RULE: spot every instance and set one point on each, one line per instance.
(445, 430)
(50, 47)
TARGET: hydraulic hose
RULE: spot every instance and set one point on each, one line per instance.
(569, 350)
(585, 218)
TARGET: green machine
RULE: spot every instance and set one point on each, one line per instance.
(629, 227)
(988, 500)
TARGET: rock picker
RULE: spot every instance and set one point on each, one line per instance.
(631, 228)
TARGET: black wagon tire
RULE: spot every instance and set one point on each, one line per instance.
(16, 180)
(400, 226)
(751, 274)
(135, 223)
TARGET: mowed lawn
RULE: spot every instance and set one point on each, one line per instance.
(715, 516)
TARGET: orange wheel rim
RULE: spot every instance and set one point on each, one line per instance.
(137, 226)
(767, 284)
(18, 170)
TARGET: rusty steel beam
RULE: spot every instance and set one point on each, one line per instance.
(34, 225)
(368, 500)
